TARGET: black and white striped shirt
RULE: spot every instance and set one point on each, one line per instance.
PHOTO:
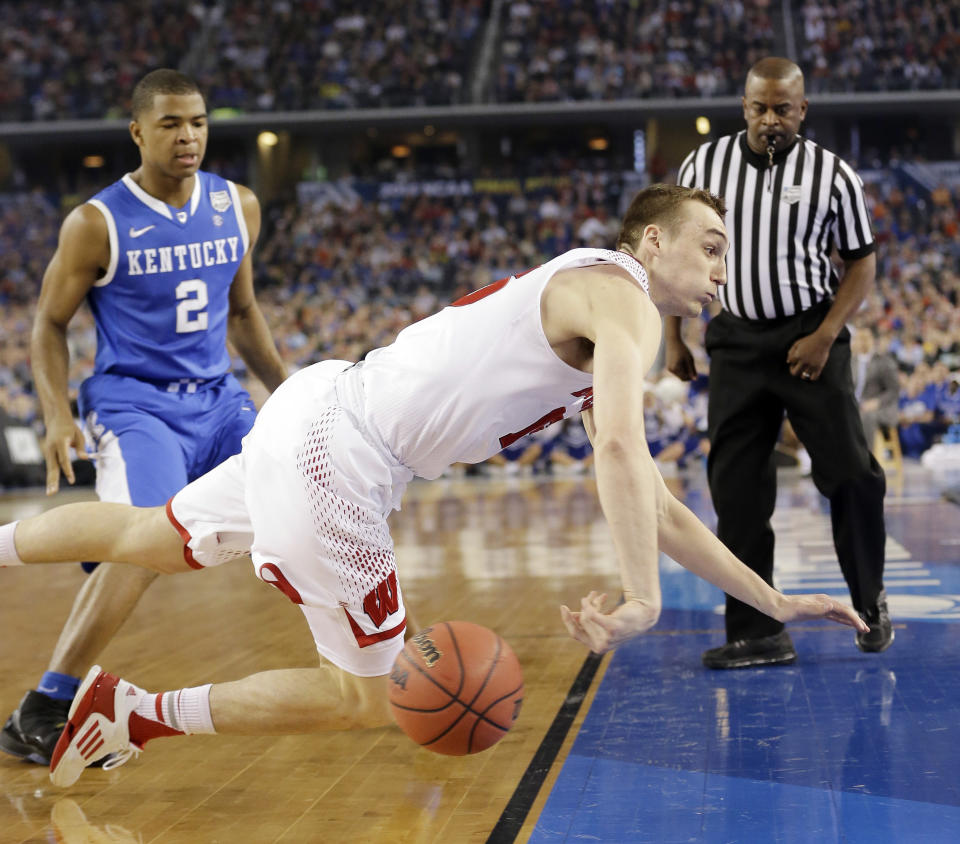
(783, 222)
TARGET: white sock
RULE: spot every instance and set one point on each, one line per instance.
(8, 551)
(185, 710)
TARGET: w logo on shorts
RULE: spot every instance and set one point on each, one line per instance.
(379, 604)
(383, 601)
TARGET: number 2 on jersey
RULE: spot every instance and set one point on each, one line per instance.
(192, 296)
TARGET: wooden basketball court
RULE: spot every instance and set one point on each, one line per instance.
(504, 554)
(641, 746)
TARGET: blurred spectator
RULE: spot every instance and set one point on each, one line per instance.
(80, 59)
(76, 59)
(671, 423)
(337, 276)
(527, 455)
(875, 383)
(556, 50)
(570, 450)
(878, 45)
(29, 223)
(277, 55)
(917, 405)
(948, 406)
(73, 59)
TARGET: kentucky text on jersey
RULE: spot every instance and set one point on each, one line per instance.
(167, 259)
(162, 304)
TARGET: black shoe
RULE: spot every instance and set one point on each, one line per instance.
(11, 742)
(31, 732)
(752, 653)
(880, 635)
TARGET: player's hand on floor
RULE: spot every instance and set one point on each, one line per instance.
(805, 607)
(603, 631)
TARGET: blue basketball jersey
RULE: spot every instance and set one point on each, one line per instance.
(161, 307)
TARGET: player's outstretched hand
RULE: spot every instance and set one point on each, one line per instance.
(805, 607)
(603, 631)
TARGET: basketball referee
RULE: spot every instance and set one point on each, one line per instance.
(780, 344)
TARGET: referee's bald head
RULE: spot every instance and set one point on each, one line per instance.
(776, 67)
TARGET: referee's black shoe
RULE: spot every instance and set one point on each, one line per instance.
(33, 729)
(880, 635)
(752, 653)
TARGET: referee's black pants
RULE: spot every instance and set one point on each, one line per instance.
(750, 388)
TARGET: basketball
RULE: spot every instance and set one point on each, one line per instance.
(456, 688)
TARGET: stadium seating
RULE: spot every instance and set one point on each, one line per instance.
(80, 60)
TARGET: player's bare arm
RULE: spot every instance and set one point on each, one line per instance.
(809, 354)
(608, 309)
(687, 540)
(83, 251)
(247, 328)
(682, 536)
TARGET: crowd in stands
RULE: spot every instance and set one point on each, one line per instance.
(28, 236)
(75, 59)
(915, 308)
(341, 271)
(80, 58)
(608, 50)
(265, 55)
(351, 274)
(879, 45)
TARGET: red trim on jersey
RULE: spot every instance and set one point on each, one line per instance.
(483, 292)
(185, 535)
(366, 639)
(587, 395)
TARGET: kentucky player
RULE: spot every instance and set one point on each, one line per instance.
(163, 257)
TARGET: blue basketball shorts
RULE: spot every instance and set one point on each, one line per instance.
(152, 438)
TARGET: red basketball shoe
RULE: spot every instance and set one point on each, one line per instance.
(97, 726)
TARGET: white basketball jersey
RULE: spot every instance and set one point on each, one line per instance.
(464, 383)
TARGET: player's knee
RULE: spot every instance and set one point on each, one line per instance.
(149, 540)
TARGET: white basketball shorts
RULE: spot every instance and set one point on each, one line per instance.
(308, 498)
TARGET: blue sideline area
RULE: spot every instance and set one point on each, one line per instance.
(841, 747)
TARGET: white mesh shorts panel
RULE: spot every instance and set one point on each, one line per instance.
(230, 546)
(355, 540)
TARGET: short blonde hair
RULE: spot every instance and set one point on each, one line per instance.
(661, 205)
